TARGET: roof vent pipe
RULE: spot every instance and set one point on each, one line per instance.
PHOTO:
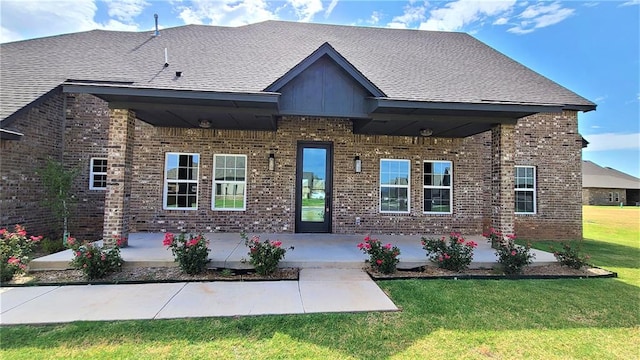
(157, 33)
(166, 57)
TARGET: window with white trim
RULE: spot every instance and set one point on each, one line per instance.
(525, 190)
(438, 187)
(229, 182)
(181, 181)
(98, 174)
(394, 186)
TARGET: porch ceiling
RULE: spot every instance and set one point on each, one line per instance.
(259, 111)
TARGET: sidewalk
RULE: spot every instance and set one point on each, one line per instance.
(317, 290)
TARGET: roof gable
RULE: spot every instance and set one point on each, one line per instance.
(324, 88)
(325, 50)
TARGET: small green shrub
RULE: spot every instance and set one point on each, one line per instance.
(264, 256)
(50, 246)
(192, 254)
(570, 256)
(15, 251)
(455, 254)
(95, 262)
(382, 258)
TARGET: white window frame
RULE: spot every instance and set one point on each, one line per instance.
(215, 182)
(92, 174)
(534, 190)
(408, 187)
(441, 187)
(167, 181)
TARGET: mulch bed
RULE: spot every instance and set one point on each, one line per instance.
(551, 271)
(136, 275)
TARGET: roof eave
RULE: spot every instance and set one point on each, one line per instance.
(10, 135)
(112, 91)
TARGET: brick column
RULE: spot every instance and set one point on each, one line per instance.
(119, 169)
(503, 150)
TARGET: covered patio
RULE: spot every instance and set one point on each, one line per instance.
(310, 251)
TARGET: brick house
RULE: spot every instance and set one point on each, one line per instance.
(289, 127)
(607, 186)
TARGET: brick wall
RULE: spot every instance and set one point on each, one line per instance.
(548, 141)
(271, 194)
(21, 191)
(86, 135)
(599, 196)
(551, 143)
(65, 127)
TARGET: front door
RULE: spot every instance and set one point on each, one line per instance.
(313, 187)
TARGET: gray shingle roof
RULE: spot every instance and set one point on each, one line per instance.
(596, 176)
(404, 64)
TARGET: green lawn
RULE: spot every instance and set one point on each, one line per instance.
(540, 319)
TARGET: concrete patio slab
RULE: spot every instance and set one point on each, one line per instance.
(234, 298)
(310, 251)
(90, 303)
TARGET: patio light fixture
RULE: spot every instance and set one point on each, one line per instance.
(272, 162)
(357, 164)
(204, 123)
(426, 132)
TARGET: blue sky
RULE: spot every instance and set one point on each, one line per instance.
(590, 47)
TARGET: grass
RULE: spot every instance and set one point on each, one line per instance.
(550, 319)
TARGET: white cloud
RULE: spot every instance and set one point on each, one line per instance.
(31, 18)
(539, 16)
(411, 15)
(613, 141)
(591, 4)
(306, 9)
(126, 10)
(631, 2)
(225, 12)
(501, 21)
(455, 15)
(375, 18)
(330, 8)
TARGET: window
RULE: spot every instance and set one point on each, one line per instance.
(616, 197)
(437, 187)
(98, 174)
(394, 186)
(181, 181)
(229, 182)
(525, 187)
(610, 197)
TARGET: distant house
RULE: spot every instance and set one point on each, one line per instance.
(607, 186)
(206, 128)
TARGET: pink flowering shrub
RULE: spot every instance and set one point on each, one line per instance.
(15, 249)
(570, 256)
(382, 258)
(454, 254)
(494, 237)
(513, 257)
(192, 253)
(264, 256)
(95, 261)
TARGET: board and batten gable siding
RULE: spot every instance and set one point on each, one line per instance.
(324, 89)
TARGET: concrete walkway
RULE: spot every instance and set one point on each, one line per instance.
(317, 290)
